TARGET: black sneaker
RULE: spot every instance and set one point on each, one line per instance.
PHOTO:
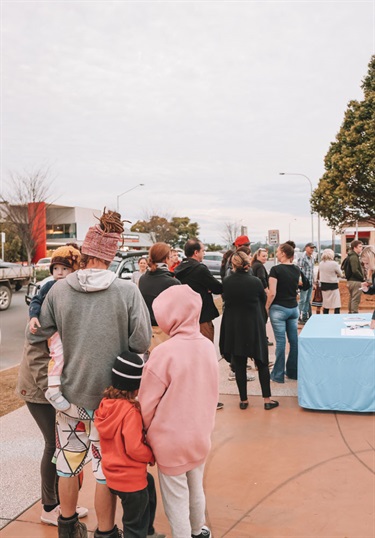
(114, 533)
(219, 406)
(205, 533)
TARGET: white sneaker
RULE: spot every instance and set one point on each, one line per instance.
(232, 377)
(51, 517)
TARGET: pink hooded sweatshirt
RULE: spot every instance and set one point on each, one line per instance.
(180, 385)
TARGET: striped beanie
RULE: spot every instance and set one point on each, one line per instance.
(127, 371)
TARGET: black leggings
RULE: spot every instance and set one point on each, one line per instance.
(44, 416)
(241, 379)
(326, 310)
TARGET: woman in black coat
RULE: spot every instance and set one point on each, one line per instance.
(243, 332)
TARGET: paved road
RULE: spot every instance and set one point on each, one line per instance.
(12, 326)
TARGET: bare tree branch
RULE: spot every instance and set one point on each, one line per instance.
(230, 232)
(23, 189)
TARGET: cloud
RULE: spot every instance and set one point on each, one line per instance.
(204, 102)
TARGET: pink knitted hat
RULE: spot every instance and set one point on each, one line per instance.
(102, 240)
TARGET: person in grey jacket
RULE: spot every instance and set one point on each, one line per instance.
(98, 316)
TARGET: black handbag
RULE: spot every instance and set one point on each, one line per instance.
(305, 282)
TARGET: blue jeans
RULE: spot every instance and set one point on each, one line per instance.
(284, 321)
(304, 303)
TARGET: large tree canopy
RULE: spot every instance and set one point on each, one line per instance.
(346, 192)
(175, 231)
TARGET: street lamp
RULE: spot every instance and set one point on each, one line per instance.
(119, 195)
(312, 216)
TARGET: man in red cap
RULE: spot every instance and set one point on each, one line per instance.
(226, 266)
(242, 241)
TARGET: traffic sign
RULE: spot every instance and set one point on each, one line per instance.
(273, 237)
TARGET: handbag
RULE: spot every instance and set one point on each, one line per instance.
(305, 283)
(317, 299)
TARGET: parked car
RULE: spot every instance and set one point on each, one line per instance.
(124, 264)
(213, 261)
(43, 263)
(34, 287)
(12, 277)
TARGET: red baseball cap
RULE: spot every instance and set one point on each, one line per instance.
(241, 240)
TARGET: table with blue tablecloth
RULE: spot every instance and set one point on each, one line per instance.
(336, 372)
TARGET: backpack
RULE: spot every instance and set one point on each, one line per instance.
(346, 267)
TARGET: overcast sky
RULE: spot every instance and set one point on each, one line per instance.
(204, 102)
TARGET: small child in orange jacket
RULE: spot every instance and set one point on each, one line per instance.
(125, 455)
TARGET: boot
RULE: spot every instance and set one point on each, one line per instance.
(71, 528)
(115, 533)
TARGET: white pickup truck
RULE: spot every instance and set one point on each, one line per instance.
(12, 277)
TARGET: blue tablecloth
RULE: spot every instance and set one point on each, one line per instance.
(335, 372)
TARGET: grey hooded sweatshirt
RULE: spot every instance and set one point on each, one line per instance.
(97, 316)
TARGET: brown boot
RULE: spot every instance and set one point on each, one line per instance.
(71, 528)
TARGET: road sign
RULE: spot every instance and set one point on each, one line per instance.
(273, 237)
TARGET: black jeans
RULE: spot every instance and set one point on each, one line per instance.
(152, 502)
(241, 380)
(135, 512)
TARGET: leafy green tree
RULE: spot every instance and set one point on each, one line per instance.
(184, 229)
(175, 231)
(159, 228)
(213, 247)
(346, 192)
(13, 251)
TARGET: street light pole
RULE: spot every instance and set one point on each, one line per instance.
(312, 215)
(119, 195)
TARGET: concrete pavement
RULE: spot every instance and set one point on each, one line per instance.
(282, 473)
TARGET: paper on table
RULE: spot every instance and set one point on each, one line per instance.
(357, 332)
(357, 324)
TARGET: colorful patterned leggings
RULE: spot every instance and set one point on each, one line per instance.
(75, 434)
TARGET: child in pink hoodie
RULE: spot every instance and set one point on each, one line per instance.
(178, 397)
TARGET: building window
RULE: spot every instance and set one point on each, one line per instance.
(61, 231)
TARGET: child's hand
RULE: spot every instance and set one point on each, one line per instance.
(33, 325)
